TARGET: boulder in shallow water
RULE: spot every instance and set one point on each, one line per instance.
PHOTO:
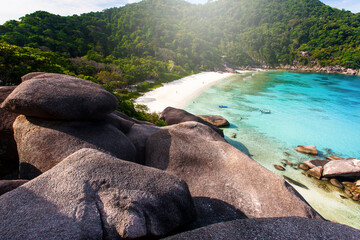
(215, 120)
(213, 168)
(44, 143)
(344, 168)
(336, 183)
(303, 166)
(316, 172)
(59, 96)
(271, 229)
(309, 149)
(92, 195)
(174, 116)
(278, 167)
(316, 163)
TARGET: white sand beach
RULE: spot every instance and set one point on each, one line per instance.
(178, 93)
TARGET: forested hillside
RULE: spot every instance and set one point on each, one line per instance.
(156, 39)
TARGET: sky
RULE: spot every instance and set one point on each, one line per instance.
(14, 9)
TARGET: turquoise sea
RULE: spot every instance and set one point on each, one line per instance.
(306, 109)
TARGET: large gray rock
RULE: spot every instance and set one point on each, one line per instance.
(342, 168)
(213, 168)
(9, 160)
(174, 116)
(44, 143)
(8, 185)
(272, 228)
(58, 96)
(92, 195)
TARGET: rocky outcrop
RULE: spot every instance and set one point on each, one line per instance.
(342, 168)
(86, 189)
(8, 185)
(310, 149)
(174, 116)
(213, 168)
(75, 98)
(8, 154)
(215, 120)
(272, 228)
(316, 163)
(44, 143)
(92, 195)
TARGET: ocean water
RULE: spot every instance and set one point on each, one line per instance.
(306, 109)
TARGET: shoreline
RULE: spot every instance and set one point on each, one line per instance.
(307, 69)
(180, 92)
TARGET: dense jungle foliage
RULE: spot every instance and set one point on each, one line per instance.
(161, 40)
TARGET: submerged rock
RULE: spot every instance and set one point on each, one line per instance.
(215, 169)
(271, 229)
(278, 167)
(44, 143)
(310, 149)
(59, 96)
(92, 195)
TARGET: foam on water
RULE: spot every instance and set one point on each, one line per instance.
(306, 108)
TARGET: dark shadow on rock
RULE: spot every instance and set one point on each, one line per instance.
(9, 159)
(28, 171)
(162, 161)
(33, 217)
(239, 146)
(211, 210)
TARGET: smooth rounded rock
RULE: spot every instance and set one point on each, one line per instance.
(44, 143)
(344, 168)
(92, 195)
(336, 183)
(272, 229)
(59, 96)
(309, 149)
(215, 120)
(174, 116)
(303, 166)
(278, 167)
(213, 168)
